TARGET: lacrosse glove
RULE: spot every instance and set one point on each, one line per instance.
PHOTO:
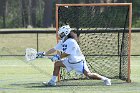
(55, 58)
(40, 54)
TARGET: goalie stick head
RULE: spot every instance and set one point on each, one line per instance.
(30, 54)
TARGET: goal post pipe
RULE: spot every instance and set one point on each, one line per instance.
(129, 5)
(129, 40)
(96, 4)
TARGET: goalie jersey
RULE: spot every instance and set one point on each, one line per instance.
(71, 47)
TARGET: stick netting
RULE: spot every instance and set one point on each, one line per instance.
(103, 38)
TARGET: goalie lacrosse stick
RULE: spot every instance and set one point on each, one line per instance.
(30, 54)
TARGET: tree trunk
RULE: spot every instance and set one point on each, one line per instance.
(47, 17)
(3, 11)
(33, 13)
(24, 10)
(1, 7)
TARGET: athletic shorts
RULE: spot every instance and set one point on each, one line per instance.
(79, 67)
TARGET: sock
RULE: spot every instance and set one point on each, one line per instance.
(103, 78)
(54, 78)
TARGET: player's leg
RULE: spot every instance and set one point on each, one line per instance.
(97, 76)
(82, 67)
(57, 66)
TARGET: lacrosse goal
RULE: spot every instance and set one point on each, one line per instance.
(104, 31)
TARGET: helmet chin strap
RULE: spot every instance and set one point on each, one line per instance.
(64, 38)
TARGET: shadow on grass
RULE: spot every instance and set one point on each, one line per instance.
(70, 83)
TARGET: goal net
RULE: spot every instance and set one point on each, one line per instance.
(104, 37)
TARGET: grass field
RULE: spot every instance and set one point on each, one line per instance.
(17, 76)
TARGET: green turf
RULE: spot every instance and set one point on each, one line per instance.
(17, 76)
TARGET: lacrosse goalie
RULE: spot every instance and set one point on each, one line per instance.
(71, 57)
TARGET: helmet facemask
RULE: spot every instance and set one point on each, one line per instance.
(62, 35)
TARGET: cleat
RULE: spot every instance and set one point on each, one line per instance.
(50, 83)
(45, 83)
(107, 82)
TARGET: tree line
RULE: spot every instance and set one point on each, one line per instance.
(23, 13)
(39, 13)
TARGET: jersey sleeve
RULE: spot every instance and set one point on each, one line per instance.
(58, 47)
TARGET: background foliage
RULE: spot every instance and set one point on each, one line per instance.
(41, 13)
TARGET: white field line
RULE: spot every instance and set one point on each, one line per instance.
(42, 66)
(14, 65)
(19, 66)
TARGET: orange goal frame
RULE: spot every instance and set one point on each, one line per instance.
(104, 4)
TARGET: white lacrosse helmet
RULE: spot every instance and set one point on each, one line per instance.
(64, 31)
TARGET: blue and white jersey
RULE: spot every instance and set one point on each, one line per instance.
(70, 47)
